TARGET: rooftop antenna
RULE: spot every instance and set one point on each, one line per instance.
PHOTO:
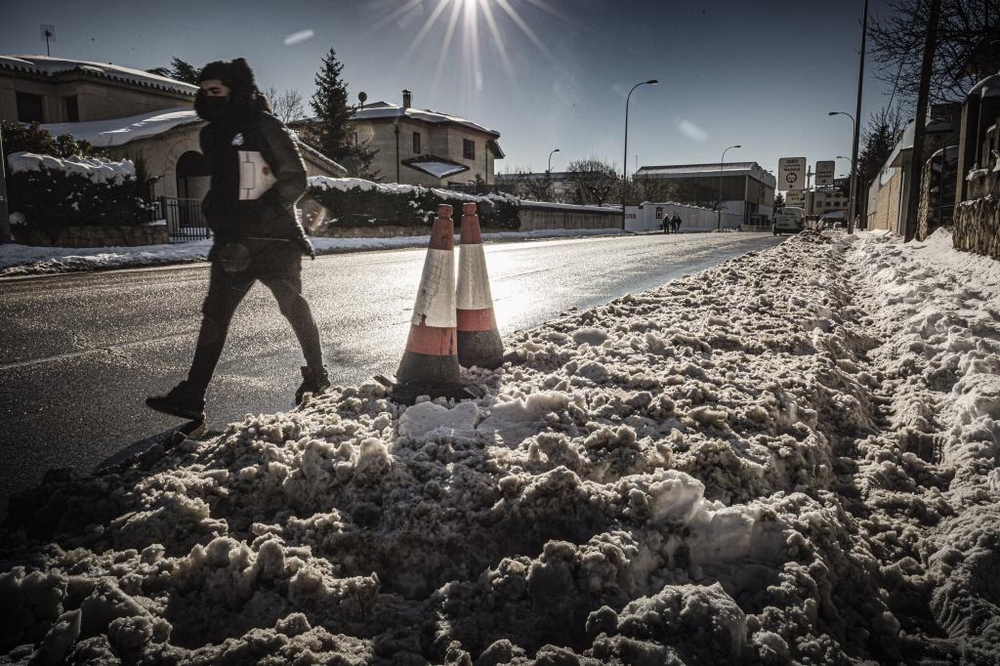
(48, 34)
(362, 97)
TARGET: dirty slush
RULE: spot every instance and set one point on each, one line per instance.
(786, 458)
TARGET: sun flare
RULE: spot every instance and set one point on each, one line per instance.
(469, 20)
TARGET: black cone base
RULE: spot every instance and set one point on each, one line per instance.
(480, 348)
(427, 370)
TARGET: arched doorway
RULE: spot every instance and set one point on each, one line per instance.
(192, 175)
(192, 184)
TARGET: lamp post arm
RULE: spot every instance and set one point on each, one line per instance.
(651, 82)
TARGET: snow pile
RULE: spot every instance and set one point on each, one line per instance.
(96, 169)
(790, 458)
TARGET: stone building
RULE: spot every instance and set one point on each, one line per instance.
(977, 187)
(130, 114)
(424, 147)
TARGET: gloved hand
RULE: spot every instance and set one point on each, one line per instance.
(307, 246)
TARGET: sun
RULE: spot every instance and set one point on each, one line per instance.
(471, 19)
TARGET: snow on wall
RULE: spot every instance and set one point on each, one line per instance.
(788, 458)
(97, 169)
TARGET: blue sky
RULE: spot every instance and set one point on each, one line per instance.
(547, 74)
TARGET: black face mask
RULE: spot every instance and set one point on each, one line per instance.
(211, 108)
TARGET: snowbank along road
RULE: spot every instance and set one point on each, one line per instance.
(790, 458)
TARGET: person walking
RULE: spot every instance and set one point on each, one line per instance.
(257, 176)
(675, 222)
(665, 223)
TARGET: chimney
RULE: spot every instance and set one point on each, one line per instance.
(407, 98)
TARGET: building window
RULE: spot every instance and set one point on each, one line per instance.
(29, 108)
(468, 149)
(72, 109)
(416, 143)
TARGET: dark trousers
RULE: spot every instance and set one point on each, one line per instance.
(280, 270)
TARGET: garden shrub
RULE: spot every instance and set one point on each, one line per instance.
(50, 193)
(350, 203)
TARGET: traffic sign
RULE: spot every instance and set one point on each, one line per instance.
(824, 172)
(792, 172)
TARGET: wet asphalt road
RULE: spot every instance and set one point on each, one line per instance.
(81, 351)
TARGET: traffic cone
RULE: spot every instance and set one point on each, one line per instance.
(478, 338)
(430, 361)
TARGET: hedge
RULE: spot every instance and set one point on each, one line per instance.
(52, 199)
(351, 203)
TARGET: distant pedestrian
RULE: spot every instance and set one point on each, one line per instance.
(257, 176)
(665, 223)
(675, 223)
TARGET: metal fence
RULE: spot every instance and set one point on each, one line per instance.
(184, 219)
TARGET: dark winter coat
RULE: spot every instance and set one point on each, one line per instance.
(257, 176)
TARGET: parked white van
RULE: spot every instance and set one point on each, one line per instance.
(788, 220)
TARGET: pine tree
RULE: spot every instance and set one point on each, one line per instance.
(329, 103)
(179, 70)
(183, 71)
(328, 132)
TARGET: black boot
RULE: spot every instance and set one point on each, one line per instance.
(182, 401)
(314, 381)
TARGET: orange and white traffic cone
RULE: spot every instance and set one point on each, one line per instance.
(478, 338)
(430, 359)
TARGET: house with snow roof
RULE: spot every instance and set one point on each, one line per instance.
(425, 147)
(129, 113)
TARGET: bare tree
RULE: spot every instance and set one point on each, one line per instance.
(968, 46)
(285, 106)
(527, 185)
(595, 180)
(641, 189)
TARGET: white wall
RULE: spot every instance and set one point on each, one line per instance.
(693, 218)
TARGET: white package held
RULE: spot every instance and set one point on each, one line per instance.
(255, 175)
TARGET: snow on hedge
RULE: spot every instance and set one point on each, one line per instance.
(789, 458)
(96, 169)
(346, 184)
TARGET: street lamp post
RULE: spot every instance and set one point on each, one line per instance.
(549, 170)
(851, 203)
(718, 205)
(651, 82)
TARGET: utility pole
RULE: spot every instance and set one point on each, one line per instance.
(4, 219)
(852, 206)
(917, 160)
